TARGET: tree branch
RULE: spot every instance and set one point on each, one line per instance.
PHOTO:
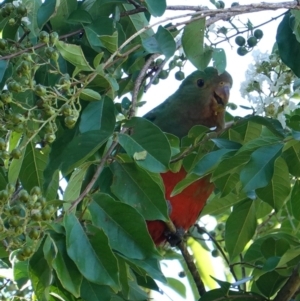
(95, 176)
(291, 286)
(189, 261)
(139, 82)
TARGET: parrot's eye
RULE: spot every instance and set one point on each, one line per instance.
(200, 82)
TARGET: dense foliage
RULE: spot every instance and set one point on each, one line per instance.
(79, 172)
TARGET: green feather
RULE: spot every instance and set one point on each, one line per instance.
(190, 104)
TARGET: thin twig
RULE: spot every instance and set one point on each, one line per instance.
(37, 46)
(189, 261)
(246, 30)
(201, 230)
(95, 176)
(139, 82)
(157, 71)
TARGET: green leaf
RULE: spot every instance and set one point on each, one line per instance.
(230, 165)
(295, 22)
(147, 137)
(98, 115)
(73, 188)
(65, 268)
(110, 42)
(45, 11)
(218, 205)
(74, 55)
(133, 23)
(288, 256)
(119, 222)
(134, 186)
(95, 260)
(292, 158)
(219, 59)
(33, 165)
(156, 8)
(63, 10)
(295, 196)
(79, 16)
(14, 169)
(150, 266)
(3, 67)
(208, 161)
(224, 143)
(259, 142)
(272, 247)
(192, 42)
(278, 189)
(258, 171)
(55, 157)
(288, 46)
(269, 283)
(82, 147)
(40, 274)
(93, 292)
(227, 183)
(240, 227)
(177, 286)
(20, 273)
(162, 42)
(89, 95)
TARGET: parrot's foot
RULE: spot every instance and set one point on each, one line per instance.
(174, 238)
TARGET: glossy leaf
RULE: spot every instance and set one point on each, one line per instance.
(64, 9)
(295, 196)
(240, 227)
(79, 16)
(145, 136)
(40, 274)
(3, 66)
(231, 164)
(288, 46)
(292, 158)
(118, 221)
(227, 183)
(156, 8)
(218, 205)
(90, 95)
(192, 42)
(278, 189)
(269, 283)
(45, 11)
(110, 42)
(258, 171)
(134, 186)
(98, 116)
(93, 292)
(65, 268)
(219, 59)
(208, 161)
(73, 54)
(33, 165)
(162, 42)
(81, 148)
(95, 261)
(73, 188)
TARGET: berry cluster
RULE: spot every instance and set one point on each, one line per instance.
(246, 46)
(22, 214)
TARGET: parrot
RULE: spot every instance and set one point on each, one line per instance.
(200, 100)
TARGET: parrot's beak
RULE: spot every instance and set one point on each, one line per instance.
(220, 100)
(221, 94)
